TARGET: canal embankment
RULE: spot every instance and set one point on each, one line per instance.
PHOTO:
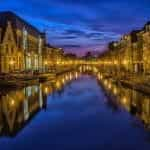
(139, 83)
(18, 80)
(21, 80)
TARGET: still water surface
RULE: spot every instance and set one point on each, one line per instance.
(74, 112)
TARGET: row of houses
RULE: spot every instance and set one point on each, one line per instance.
(130, 54)
(22, 46)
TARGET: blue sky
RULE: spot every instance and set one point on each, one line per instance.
(82, 25)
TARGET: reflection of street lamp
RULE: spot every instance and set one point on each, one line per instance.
(46, 90)
(58, 62)
(12, 102)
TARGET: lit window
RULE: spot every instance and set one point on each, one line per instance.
(25, 34)
(40, 45)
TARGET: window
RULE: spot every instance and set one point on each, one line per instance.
(25, 34)
(40, 45)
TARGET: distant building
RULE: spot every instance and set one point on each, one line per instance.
(146, 47)
(131, 53)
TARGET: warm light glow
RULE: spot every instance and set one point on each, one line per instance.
(105, 82)
(58, 84)
(125, 62)
(99, 76)
(76, 75)
(95, 70)
(124, 100)
(45, 62)
(58, 63)
(12, 62)
(12, 102)
(70, 76)
(115, 62)
(109, 86)
(46, 90)
(115, 91)
(63, 80)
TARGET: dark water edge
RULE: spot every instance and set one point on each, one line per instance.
(76, 116)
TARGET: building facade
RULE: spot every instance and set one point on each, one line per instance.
(130, 54)
(21, 44)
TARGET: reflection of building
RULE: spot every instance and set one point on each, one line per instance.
(17, 108)
(132, 101)
(21, 44)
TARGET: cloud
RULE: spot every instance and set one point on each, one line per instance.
(76, 24)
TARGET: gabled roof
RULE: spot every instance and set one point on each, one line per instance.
(17, 23)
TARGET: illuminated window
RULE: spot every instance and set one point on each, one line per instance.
(40, 45)
(25, 34)
(26, 110)
(36, 62)
(29, 92)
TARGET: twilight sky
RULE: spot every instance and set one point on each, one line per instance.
(82, 25)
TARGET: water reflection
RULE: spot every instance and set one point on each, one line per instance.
(130, 100)
(18, 108)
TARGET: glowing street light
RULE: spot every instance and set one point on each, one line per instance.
(45, 62)
(125, 62)
(12, 62)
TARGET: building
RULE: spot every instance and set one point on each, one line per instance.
(21, 44)
(48, 57)
(146, 48)
(130, 54)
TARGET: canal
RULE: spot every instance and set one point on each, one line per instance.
(75, 111)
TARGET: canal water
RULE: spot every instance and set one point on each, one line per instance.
(75, 112)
